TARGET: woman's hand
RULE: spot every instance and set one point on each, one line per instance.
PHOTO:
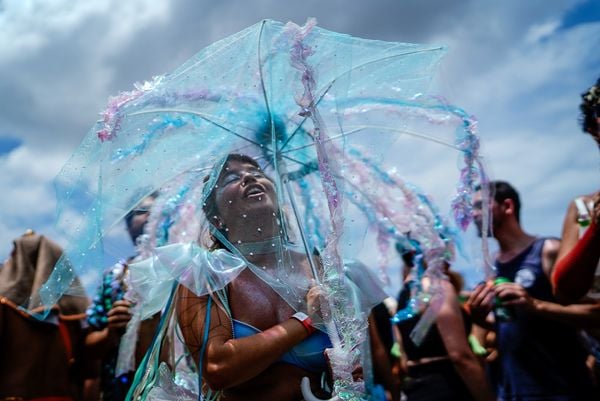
(316, 302)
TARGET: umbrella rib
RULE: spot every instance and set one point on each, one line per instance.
(264, 89)
(274, 151)
(332, 82)
(260, 71)
(287, 141)
(384, 59)
(354, 131)
(201, 115)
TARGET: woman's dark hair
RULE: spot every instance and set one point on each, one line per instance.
(590, 101)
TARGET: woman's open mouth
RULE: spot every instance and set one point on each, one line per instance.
(254, 191)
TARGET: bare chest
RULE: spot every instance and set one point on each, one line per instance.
(254, 302)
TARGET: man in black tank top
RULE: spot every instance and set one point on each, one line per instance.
(540, 356)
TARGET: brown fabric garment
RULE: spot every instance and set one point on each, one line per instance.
(37, 358)
(29, 266)
(34, 359)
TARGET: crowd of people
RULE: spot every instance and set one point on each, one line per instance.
(532, 334)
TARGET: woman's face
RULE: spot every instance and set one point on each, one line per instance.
(243, 192)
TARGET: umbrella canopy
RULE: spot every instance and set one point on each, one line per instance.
(322, 114)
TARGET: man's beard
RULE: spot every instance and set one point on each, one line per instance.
(490, 231)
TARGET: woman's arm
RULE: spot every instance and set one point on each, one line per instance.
(451, 327)
(228, 362)
(577, 258)
(381, 362)
(580, 315)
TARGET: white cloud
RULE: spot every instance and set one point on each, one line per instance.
(60, 57)
(541, 31)
(27, 194)
(527, 69)
(27, 178)
(26, 26)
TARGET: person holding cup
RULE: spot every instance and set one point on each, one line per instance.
(540, 356)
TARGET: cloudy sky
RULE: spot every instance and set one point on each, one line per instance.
(518, 66)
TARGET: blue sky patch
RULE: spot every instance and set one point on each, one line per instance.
(8, 144)
(586, 12)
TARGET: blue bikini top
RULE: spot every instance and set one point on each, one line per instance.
(307, 355)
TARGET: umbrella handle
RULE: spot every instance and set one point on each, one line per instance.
(307, 392)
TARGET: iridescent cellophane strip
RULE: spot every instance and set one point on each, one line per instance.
(429, 237)
(437, 111)
(345, 331)
(472, 174)
(111, 117)
(418, 224)
(312, 220)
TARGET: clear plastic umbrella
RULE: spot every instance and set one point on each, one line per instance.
(324, 115)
